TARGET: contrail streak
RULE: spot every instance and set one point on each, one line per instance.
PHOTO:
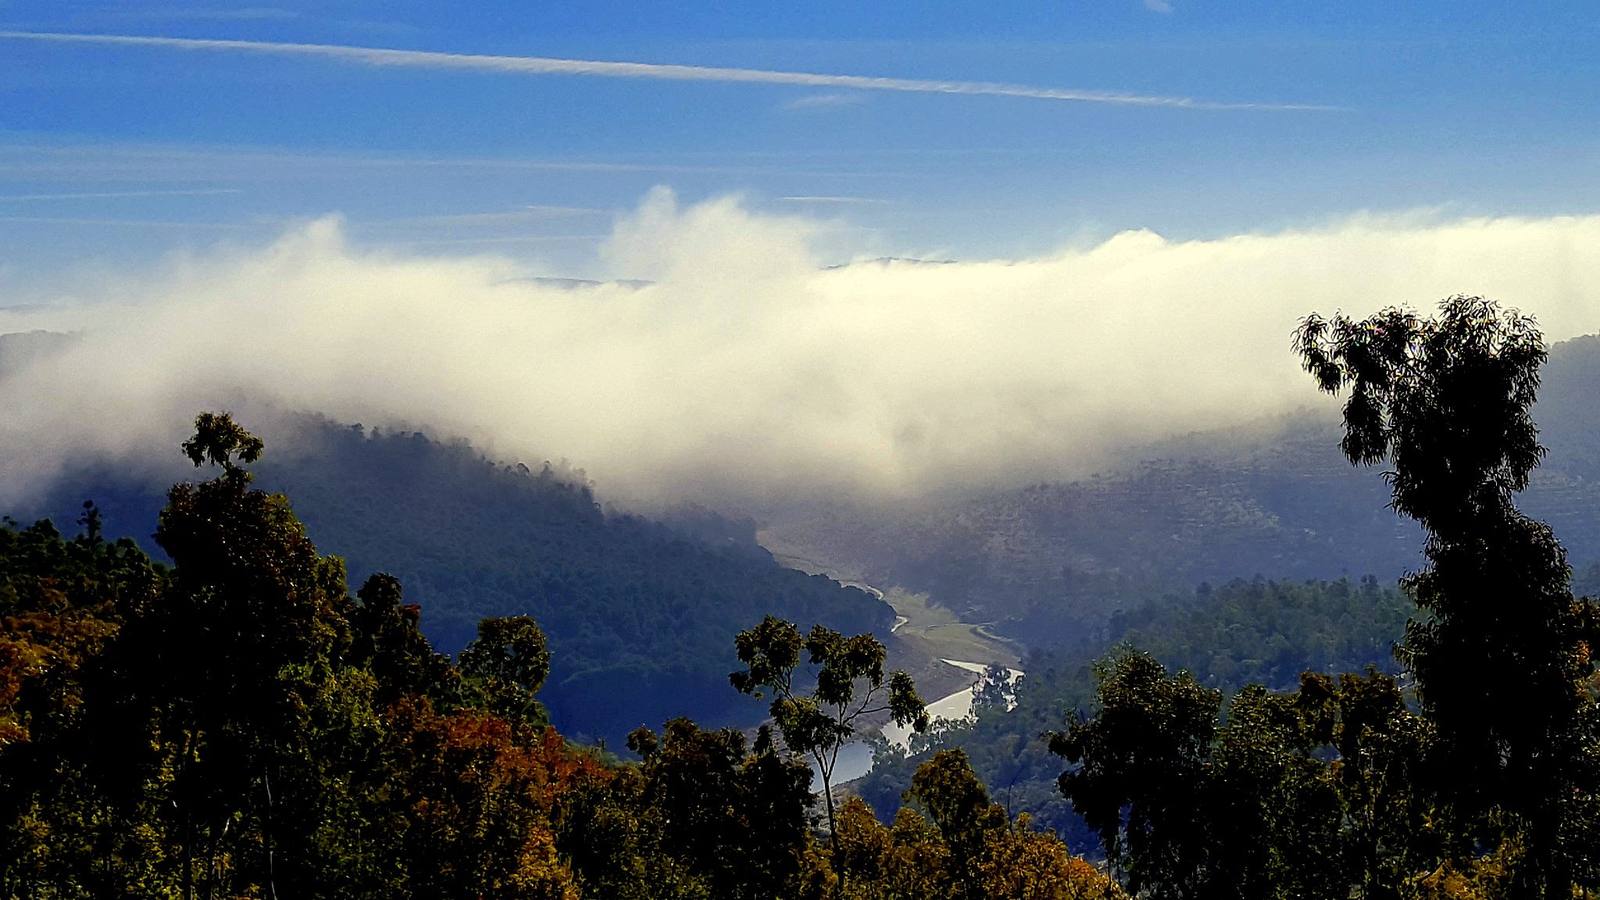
(542, 65)
(113, 195)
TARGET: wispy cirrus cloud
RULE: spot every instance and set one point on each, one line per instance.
(543, 65)
(533, 211)
(122, 223)
(118, 195)
(214, 14)
(845, 201)
(830, 100)
(151, 162)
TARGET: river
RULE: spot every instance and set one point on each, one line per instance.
(855, 758)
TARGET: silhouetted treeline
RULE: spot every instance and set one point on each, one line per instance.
(1473, 775)
(1050, 562)
(1227, 636)
(240, 724)
(639, 614)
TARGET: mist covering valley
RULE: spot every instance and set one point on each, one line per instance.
(1036, 444)
(742, 371)
(1039, 447)
(1140, 450)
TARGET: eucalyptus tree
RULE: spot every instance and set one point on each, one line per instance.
(1500, 651)
(850, 688)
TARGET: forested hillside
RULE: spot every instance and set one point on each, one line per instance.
(1228, 636)
(640, 615)
(1457, 766)
(236, 721)
(240, 724)
(1051, 562)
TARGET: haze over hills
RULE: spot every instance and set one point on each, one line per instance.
(640, 615)
(824, 451)
(1049, 562)
(717, 357)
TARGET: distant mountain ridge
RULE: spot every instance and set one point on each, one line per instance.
(1051, 562)
(641, 613)
(20, 349)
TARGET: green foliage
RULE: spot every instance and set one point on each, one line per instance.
(1488, 788)
(961, 845)
(706, 793)
(388, 640)
(1268, 632)
(949, 792)
(220, 441)
(239, 725)
(1145, 752)
(1501, 651)
(850, 688)
(638, 614)
(506, 666)
(62, 605)
(1228, 636)
(1302, 794)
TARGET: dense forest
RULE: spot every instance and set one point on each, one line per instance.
(233, 720)
(638, 613)
(1228, 636)
(238, 723)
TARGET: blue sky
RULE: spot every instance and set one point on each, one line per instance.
(116, 152)
(338, 206)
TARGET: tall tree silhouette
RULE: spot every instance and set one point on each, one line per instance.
(1500, 652)
(851, 686)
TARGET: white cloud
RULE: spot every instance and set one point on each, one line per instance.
(833, 200)
(526, 213)
(118, 195)
(746, 368)
(543, 65)
(123, 223)
(1158, 6)
(826, 101)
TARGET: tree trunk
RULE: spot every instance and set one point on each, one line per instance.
(833, 835)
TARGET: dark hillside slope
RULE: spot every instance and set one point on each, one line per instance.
(1229, 635)
(1051, 562)
(640, 616)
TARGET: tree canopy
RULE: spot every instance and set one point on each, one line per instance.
(240, 724)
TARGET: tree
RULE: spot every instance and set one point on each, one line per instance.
(960, 845)
(958, 804)
(1141, 772)
(851, 687)
(1272, 810)
(1501, 650)
(240, 663)
(222, 442)
(707, 792)
(473, 803)
(62, 604)
(1381, 746)
(507, 664)
(995, 689)
(389, 641)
